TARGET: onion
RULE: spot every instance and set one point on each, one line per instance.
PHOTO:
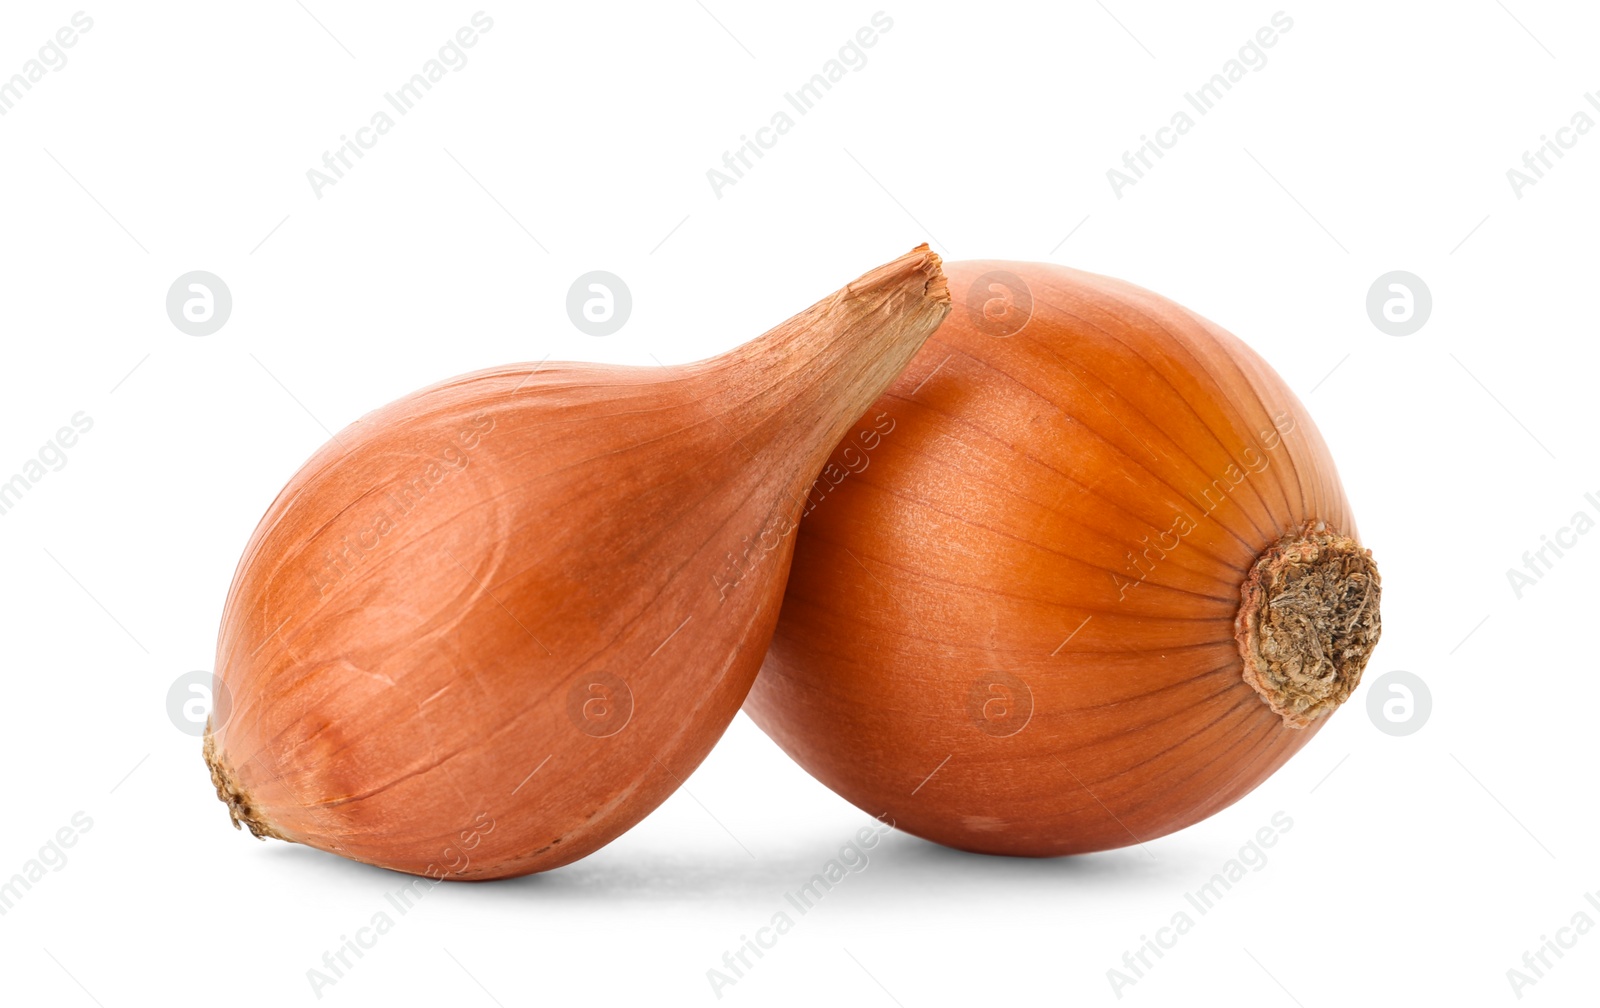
(1096, 582)
(492, 625)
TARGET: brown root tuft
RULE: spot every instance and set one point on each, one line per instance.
(1308, 621)
(240, 808)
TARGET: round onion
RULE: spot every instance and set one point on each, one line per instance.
(1084, 576)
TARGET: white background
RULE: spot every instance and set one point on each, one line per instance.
(577, 137)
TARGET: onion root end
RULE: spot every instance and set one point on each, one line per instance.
(1308, 621)
(240, 808)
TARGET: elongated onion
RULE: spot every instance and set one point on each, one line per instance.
(490, 626)
(1083, 576)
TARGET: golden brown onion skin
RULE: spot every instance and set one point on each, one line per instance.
(493, 624)
(1011, 628)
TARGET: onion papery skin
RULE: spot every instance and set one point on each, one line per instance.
(1010, 625)
(492, 625)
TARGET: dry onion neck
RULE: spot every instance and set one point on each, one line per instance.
(1307, 622)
